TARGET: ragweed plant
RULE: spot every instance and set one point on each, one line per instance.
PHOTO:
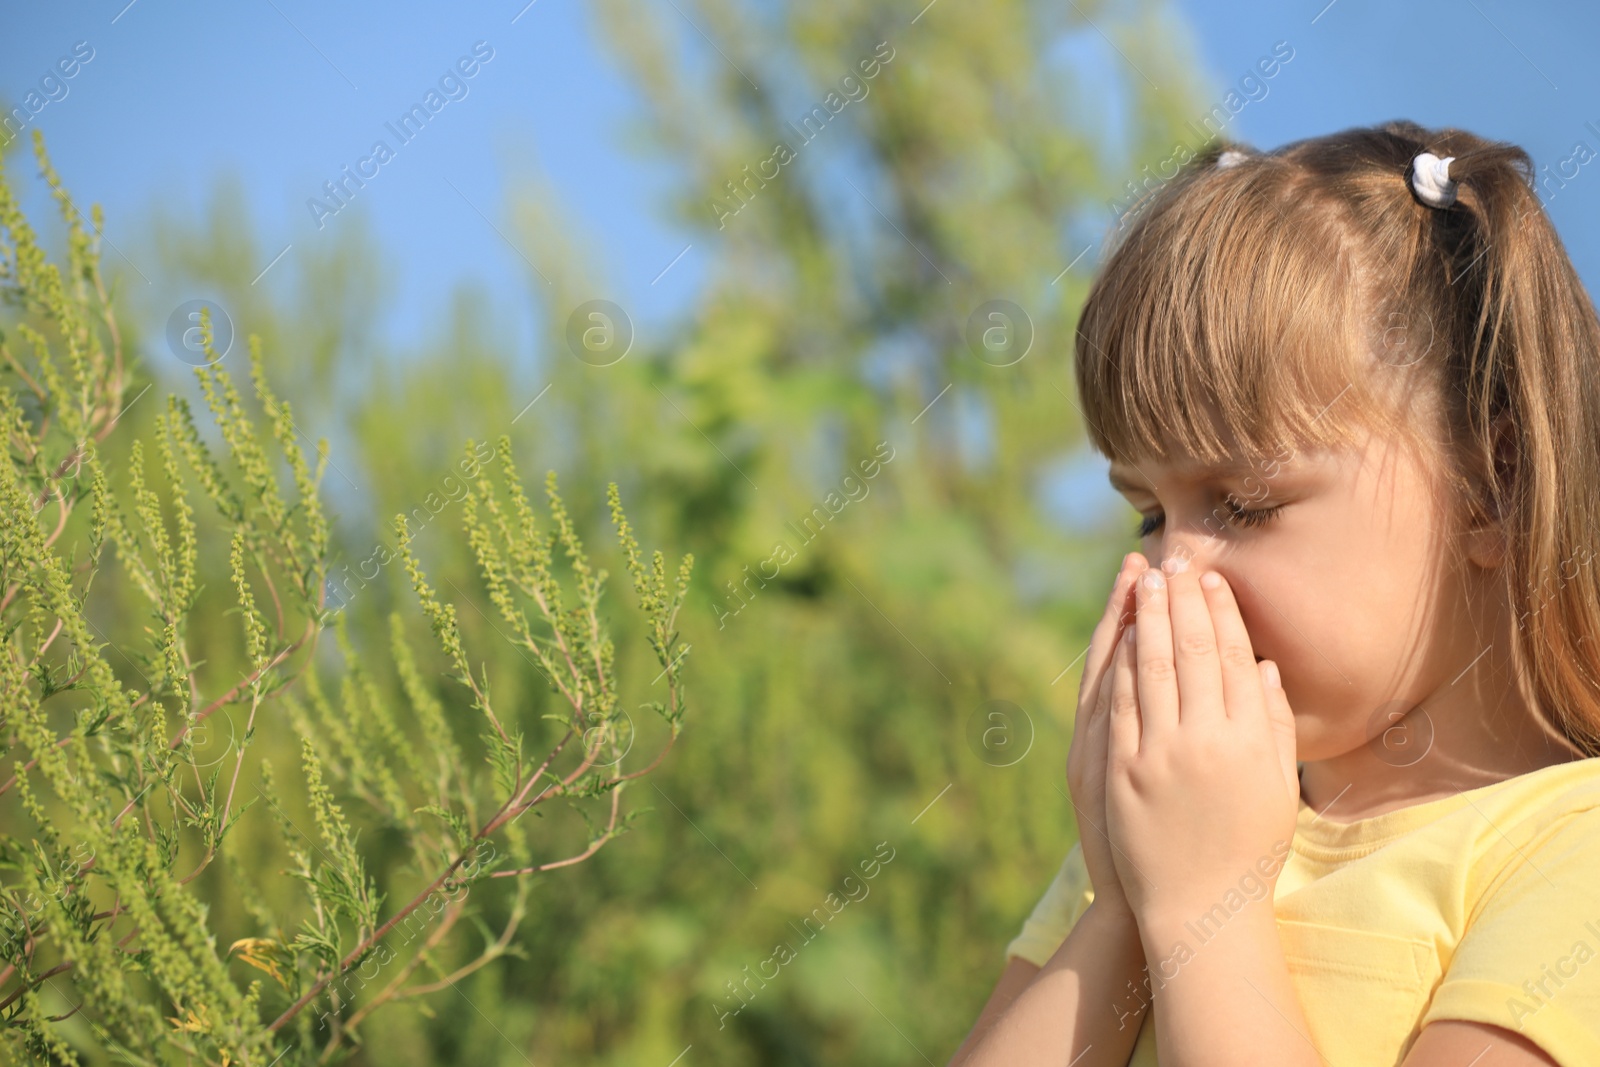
(122, 936)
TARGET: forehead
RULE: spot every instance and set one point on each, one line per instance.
(1383, 461)
(1125, 474)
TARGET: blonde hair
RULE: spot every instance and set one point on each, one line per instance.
(1299, 296)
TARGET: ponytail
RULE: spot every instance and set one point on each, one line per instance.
(1525, 366)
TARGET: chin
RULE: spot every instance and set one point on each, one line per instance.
(1322, 745)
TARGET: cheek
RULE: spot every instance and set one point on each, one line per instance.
(1277, 604)
(1339, 609)
(1287, 590)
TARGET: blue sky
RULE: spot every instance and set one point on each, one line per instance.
(284, 93)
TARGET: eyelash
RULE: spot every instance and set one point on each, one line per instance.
(1240, 516)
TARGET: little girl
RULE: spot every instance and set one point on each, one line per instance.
(1336, 760)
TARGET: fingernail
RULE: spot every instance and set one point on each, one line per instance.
(1175, 564)
(1211, 579)
(1270, 669)
(1153, 579)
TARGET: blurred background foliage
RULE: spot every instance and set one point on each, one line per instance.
(835, 709)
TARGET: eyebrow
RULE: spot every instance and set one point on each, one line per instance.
(1211, 472)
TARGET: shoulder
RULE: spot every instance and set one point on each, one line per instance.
(1524, 963)
(1550, 816)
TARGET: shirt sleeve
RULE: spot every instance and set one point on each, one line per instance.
(1066, 898)
(1530, 960)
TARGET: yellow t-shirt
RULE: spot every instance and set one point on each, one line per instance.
(1482, 906)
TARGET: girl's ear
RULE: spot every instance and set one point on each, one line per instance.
(1486, 545)
(1486, 536)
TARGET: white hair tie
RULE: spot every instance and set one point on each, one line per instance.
(1229, 158)
(1430, 179)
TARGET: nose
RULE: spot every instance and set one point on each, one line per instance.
(1184, 552)
(1198, 554)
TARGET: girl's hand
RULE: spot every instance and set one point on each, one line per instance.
(1086, 758)
(1201, 787)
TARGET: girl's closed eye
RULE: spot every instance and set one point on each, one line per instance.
(1236, 516)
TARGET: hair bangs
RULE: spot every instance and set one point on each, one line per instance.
(1226, 323)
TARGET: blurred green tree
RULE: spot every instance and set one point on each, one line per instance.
(852, 637)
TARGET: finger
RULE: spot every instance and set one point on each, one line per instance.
(1137, 561)
(1123, 721)
(1281, 716)
(1099, 728)
(1095, 734)
(1101, 646)
(1103, 641)
(1097, 741)
(1089, 728)
(1242, 688)
(1103, 697)
(1156, 670)
(1201, 697)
